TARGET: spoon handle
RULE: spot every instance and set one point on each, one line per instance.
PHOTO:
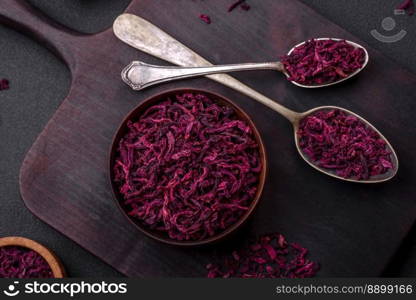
(139, 75)
(145, 36)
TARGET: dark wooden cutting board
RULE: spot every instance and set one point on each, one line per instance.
(351, 229)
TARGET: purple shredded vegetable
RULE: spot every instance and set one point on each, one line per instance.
(408, 6)
(270, 256)
(240, 3)
(342, 143)
(245, 6)
(205, 18)
(19, 262)
(322, 61)
(4, 84)
(188, 167)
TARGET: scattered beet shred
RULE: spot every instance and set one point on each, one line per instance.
(240, 3)
(188, 167)
(270, 256)
(205, 18)
(322, 61)
(19, 262)
(245, 6)
(4, 84)
(408, 6)
(341, 142)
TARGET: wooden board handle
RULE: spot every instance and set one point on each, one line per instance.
(18, 14)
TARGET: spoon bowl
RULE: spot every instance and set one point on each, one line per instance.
(373, 179)
(355, 45)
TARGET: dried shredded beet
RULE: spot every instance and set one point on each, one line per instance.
(188, 167)
(245, 6)
(270, 256)
(241, 3)
(342, 143)
(4, 84)
(19, 262)
(205, 18)
(322, 61)
(408, 6)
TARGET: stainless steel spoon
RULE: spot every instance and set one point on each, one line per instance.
(140, 75)
(143, 35)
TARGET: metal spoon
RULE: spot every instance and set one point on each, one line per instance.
(143, 35)
(140, 75)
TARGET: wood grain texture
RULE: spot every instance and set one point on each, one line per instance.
(351, 229)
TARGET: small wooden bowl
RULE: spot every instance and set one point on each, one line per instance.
(134, 116)
(53, 261)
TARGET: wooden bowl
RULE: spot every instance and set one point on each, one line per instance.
(134, 116)
(53, 261)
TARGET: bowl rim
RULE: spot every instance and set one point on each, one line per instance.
(50, 257)
(262, 176)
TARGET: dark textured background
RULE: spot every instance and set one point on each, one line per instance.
(39, 81)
